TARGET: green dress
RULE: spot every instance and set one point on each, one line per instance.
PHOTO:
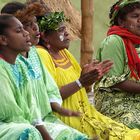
(119, 105)
(45, 90)
(17, 108)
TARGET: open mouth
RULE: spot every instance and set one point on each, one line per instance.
(29, 43)
(67, 40)
(37, 35)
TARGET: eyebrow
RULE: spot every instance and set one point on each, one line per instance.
(18, 27)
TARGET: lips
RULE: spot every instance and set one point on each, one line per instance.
(28, 41)
(67, 40)
(37, 35)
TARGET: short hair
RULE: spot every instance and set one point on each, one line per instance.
(24, 11)
(4, 23)
(13, 7)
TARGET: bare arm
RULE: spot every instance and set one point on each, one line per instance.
(45, 135)
(62, 111)
(128, 86)
(69, 89)
(89, 75)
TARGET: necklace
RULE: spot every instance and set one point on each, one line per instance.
(63, 61)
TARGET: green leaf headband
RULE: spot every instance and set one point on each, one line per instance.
(120, 6)
(51, 21)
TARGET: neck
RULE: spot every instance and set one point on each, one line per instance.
(25, 54)
(52, 50)
(9, 56)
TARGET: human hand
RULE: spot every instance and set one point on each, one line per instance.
(89, 75)
(94, 71)
(67, 112)
(87, 67)
(105, 66)
(62, 111)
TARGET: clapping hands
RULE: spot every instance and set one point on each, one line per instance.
(94, 71)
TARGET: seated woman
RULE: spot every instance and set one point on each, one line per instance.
(118, 92)
(39, 84)
(17, 108)
(65, 70)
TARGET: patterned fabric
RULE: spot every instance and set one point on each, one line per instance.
(17, 107)
(45, 90)
(119, 105)
(91, 121)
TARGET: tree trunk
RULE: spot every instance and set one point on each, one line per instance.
(87, 32)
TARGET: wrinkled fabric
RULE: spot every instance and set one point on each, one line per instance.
(91, 122)
(119, 105)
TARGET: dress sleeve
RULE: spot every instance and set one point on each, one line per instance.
(52, 88)
(113, 49)
(49, 74)
(9, 109)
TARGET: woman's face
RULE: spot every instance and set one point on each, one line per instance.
(17, 39)
(59, 39)
(132, 22)
(32, 27)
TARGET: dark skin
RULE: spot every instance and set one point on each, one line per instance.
(90, 72)
(45, 135)
(32, 27)
(132, 23)
(20, 38)
(16, 35)
(22, 41)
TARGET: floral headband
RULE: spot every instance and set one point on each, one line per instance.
(51, 21)
(119, 6)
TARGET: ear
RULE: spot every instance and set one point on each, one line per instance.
(121, 22)
(3, 40)
(44, 37)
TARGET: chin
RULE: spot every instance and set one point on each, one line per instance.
(67, 47)
(35, 42)
(27, 49)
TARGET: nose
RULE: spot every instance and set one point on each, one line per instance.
(66, 33)
(138, 19)
(25, 33)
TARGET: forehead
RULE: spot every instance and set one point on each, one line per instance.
(135, 11)
(62, 26)
(13, 22)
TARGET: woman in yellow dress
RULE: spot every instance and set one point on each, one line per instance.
(67, 74)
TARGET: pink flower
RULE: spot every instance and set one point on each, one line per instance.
(116, 8)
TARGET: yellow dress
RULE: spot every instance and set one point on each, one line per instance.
(91, 122)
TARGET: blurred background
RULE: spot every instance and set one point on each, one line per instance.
(101, 23)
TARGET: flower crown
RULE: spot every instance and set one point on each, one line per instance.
(119, 6)
(51, 21)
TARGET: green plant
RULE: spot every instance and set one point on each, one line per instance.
(51, 21)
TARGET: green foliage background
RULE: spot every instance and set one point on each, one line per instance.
(101, 23)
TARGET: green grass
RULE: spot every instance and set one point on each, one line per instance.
(101, 10)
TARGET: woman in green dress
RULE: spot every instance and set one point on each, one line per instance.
(118, 92)
(16, 115)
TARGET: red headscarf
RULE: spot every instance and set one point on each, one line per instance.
(129, 40)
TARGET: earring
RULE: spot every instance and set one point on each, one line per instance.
(48, 46)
